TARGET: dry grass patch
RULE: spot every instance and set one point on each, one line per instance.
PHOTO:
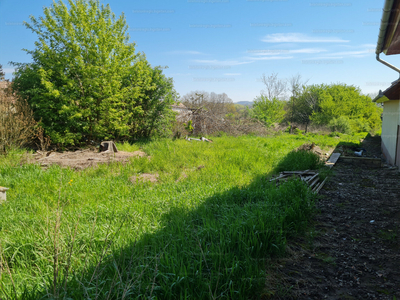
(145, 177)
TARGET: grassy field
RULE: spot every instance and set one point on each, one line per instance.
(202, 231)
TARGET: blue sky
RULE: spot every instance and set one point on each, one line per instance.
(224, 46)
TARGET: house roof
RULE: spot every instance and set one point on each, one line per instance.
(389, 32)
(389, 44)
(391, 93)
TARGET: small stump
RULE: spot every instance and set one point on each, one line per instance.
(108, 146)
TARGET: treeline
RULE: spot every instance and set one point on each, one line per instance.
(340, 107)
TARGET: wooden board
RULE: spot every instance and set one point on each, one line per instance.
(332, 160)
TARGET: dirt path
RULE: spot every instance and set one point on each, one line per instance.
(353, 252)
(83, 159)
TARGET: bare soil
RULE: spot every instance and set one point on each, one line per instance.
(352, 250)
(82, 159)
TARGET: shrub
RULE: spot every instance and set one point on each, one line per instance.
(360, 125)
(340, 124)
(179, 130)
(17, 125)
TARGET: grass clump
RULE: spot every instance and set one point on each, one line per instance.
(299, 160)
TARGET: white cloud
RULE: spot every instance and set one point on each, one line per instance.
(270, 57)
(282, 51)
(359, 53)
(308, 50)
(186, 52)
(179, 74)
(221, 62)
(300, 38)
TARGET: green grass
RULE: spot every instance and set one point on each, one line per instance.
(92, 233)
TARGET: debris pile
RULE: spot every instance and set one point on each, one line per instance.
(202, 139)
(316, 149)
(311, 178)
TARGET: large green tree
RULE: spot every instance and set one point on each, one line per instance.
(86, 81)
(325, 104)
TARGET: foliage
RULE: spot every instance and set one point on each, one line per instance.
(338, 100)
(301, 108)
(329, 104)
(17, 125)
(340, 124)
(237, 112)
(360, 125)
(86, 82)
(268, 111)
(189, 126)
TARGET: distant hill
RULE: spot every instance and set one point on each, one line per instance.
(245, 103)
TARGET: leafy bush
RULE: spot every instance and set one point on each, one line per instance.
(297, 131)
(334, 134)
(360, 125)
(341, 124)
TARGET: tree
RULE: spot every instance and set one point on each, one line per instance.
(302, 107)
(296, 86)
(218, 103)
(274, 87)
(334, 104)
(209, 111)
(268, 111)
(86, 82)
(338, 100)
(2, 74)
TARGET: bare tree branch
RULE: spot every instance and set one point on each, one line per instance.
(274, 87)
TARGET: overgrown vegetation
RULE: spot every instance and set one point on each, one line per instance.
(340, 107)
(203, 231)
(298, 160)
(17, 125)
(86, 82)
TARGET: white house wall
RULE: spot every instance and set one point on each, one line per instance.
(391, 119)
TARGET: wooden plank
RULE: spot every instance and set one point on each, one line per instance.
(332, 160)
(315, 181)
(299, 172)
(312, 178)
(321, 185)
(279, 177)
(367, 161)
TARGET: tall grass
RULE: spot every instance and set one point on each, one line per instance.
(203, 231)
